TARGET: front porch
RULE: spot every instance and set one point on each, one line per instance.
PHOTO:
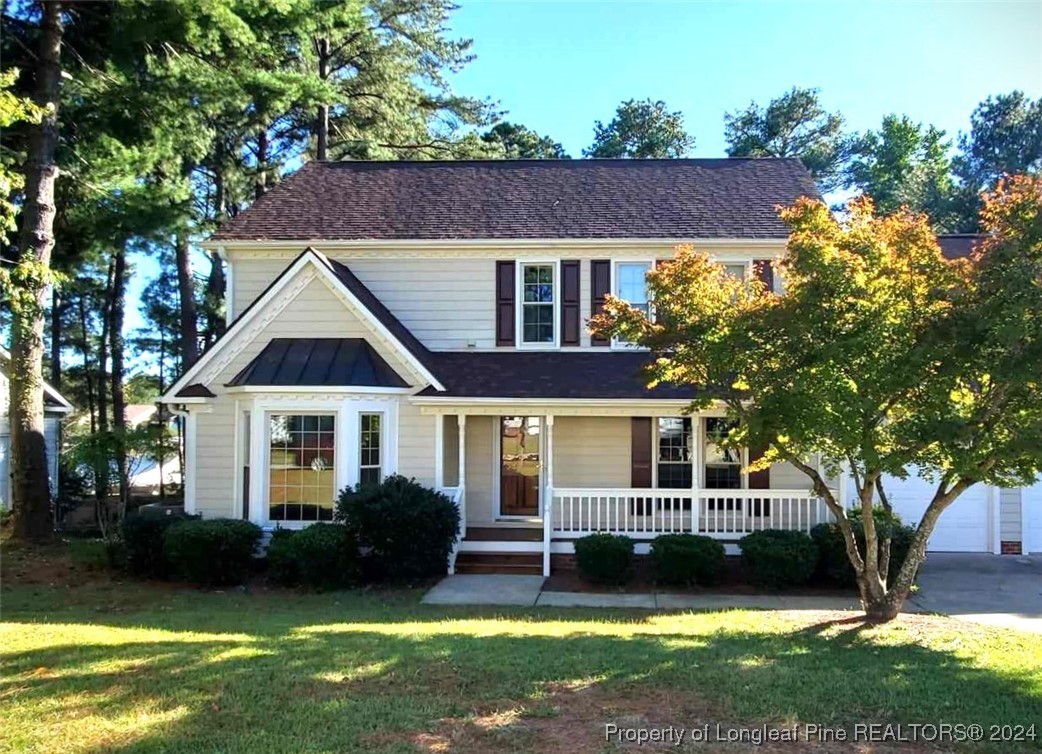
(529, 484)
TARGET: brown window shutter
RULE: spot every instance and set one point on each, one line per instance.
(640, 462)
(640, 451)
(600, 286)
(570, 303)
(764, 271)
(759, 480)
(505, 293)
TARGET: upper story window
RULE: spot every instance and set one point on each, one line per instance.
(538, 304)
(631, 285)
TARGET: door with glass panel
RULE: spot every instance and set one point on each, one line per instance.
(520, 464)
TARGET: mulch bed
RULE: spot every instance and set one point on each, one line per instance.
(735, 580)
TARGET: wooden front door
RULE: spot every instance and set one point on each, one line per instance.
(519, 465)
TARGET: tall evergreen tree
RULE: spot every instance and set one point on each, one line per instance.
(793, 125)
(641, 130)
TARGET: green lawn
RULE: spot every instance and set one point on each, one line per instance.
(102, 666)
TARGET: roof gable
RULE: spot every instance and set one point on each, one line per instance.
(283, 290)
(545, 199)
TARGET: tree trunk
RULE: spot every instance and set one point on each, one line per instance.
(118, 304)
(260, 186)
(57, 307)
(88, 379)
(101, 470)
(186, 292)
(322, 118)
(214, 299)
(31, 489)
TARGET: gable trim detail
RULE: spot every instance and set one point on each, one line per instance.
(308, 266)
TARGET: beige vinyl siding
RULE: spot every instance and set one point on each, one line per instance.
(250, 277)
(215, 472)
(481, 462)
(1010, 524)
(591, 451)
(416, 443)
(785, 476)
(448, 302)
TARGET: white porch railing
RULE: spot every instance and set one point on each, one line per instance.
(457, 496)
(646, 513)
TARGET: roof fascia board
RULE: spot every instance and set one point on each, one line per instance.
(228, 245)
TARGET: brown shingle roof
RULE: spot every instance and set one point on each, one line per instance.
(958, 245)
(548, 374)
(704, 198)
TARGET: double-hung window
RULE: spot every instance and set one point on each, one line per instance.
(674, 453)
(538, 304)
(723, 466)
(631, 285)
(370, 462)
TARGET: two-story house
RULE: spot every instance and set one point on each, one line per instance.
(429, 319)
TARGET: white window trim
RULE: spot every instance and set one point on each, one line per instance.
(346, 449)
(519, 307)
(497, 469)
(613, 275)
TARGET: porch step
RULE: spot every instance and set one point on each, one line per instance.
(504, 534)
(519, 563)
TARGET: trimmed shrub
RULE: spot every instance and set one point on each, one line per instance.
(322, 556)
(779, 558)
(407, 529)
(212, 552)
(281, 558)
(604, 558)
(142, 553)
(687, 559)
(833, 564)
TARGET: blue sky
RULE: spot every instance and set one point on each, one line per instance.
(559, 66)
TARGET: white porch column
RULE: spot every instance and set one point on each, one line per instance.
(461, 425)
(439, 451)
(548, 502)
(844, 474)
(696, 470)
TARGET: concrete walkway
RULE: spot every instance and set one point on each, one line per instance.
(474, 589)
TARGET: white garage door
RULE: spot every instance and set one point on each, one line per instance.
(963, 527)
(1033, 518)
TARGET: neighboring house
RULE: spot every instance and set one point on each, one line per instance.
(428, 319)
(147, 473)
(55, 409)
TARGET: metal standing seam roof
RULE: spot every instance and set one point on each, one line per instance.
(318, 362)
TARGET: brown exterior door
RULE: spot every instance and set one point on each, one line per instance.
(519, 465)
